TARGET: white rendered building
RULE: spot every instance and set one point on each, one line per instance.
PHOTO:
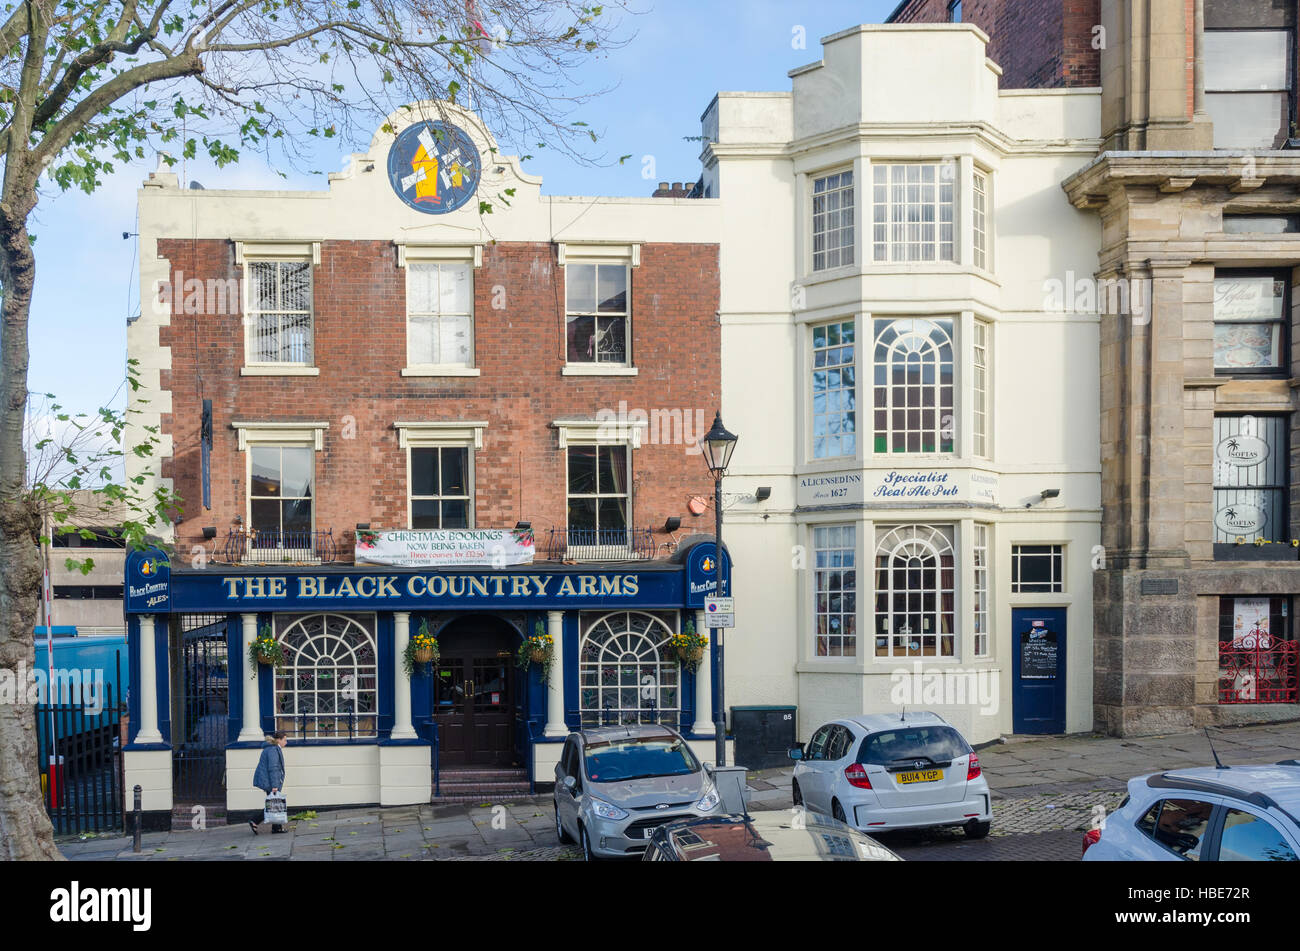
(908, 379)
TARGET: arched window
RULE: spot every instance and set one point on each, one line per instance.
(913, 385)
(915, 569)
(328, 688)
(626, 672)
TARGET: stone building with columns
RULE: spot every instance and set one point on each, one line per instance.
(1196, 191)
(387, 415)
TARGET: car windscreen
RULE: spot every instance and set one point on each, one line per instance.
(937, 743)
(639, 759)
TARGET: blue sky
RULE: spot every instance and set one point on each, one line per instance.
(683, 52)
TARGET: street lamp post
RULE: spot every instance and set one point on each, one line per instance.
(718, 444)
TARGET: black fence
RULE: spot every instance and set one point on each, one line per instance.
(80, 759)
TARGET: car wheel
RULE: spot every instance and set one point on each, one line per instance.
(977, 830)
(796, 793)
(587, 854)
(560, 834)
(838, 811)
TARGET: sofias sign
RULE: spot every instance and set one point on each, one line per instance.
(1242, 450)
(1241, 518)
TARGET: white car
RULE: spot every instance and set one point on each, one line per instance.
(886, 771)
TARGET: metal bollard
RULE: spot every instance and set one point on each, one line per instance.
(139, 795)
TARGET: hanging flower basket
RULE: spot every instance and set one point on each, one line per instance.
(689, 647)
(421, 651)
(538, 649)
(266, 650)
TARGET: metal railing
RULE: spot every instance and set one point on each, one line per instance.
(274, 547)
(1259, 674)
(587, 544)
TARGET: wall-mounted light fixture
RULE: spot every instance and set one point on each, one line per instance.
(209, 532)
(363, 526)
(762, 493)
(523, 526)
(1049, 493)
(673, 523)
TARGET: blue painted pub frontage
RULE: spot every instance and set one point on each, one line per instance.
(361, 729)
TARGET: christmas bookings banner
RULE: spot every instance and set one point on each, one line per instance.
(446, 547)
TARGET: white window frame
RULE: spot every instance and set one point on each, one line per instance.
(923, 535)
(896, 245)
(663, 663)
(582, 432)
(606, 253)
(878, 323)
(855, 639)
(284, 435)
(981, 643)
(812, 394)
(982, 332)
(466, 435)
(980, 195)
(264, 252)
(440, 254)
(367, 623)
(843, 249)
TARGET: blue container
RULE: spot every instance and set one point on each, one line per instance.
(101, 658)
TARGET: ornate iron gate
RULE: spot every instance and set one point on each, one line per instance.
(1262, 669)
(201, 710)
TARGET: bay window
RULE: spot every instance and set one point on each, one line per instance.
(834, 391)
(835, 607)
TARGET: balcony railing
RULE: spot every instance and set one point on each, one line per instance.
(263, 547)
(585, 544)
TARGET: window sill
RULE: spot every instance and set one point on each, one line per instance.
(595, 369)
(279, 371)
(441, 371)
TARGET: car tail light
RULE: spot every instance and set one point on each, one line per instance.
(1091, 837)
(856, 774)
(974, 769)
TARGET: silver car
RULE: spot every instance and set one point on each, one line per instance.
(893, 771)
(615, 785)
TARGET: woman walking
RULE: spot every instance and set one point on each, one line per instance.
(269, 775)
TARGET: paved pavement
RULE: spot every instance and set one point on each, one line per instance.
(1046, 790)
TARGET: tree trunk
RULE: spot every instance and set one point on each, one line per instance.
(25, 830)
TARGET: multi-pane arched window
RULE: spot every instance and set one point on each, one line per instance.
(915, 582)
(626, 672)
(328, 687)
(913, 373)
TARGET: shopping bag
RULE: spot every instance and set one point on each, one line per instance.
(276, 810)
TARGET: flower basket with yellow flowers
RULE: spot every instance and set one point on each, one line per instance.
(421, 651)
(265, 649)
(538, 649)
(689, 647)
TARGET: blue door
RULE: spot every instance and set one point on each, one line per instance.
(1038, 669)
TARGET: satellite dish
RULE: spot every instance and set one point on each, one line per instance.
(697, 504)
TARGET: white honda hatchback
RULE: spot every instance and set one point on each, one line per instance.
(893, 771)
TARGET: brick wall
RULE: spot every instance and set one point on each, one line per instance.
(360, 348)
(1040, 44)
